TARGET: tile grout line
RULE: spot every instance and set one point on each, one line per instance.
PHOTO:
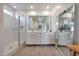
(59, 51)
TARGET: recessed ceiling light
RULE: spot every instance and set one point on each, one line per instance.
(46, 12)
(47, 7)
(31, 7)
(33, 13)
(14, 6)
(59, 7)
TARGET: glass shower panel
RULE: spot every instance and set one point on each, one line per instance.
(22, 29)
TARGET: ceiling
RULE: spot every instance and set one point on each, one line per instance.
(55, 8)
(37, 6)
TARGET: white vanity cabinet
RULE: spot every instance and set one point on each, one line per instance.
(47, 38)
(64, 38)
(40, 38)
(44, 38)
(32, 38)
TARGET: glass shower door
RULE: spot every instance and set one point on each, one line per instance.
(21, 29)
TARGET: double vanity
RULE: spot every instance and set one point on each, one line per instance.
(40, 38)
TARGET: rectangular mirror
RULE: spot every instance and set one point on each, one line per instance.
(39, 23)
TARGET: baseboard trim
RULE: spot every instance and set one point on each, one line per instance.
(40, 44)
(62, 45)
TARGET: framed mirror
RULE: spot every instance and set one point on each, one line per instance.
(39, 23)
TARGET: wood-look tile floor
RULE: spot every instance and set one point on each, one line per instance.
(66, 51)
(37, 51)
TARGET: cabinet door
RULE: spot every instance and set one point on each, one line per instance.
(52, 37)
(32, 38)
(63, 39)
(47, 38)
(35, 38)
(40, 38)
(44, 38)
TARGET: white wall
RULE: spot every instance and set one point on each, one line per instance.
(9, 32)
(9, 25)
(1, 24)
(54, 22)
(76, 24)
(1, 16)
